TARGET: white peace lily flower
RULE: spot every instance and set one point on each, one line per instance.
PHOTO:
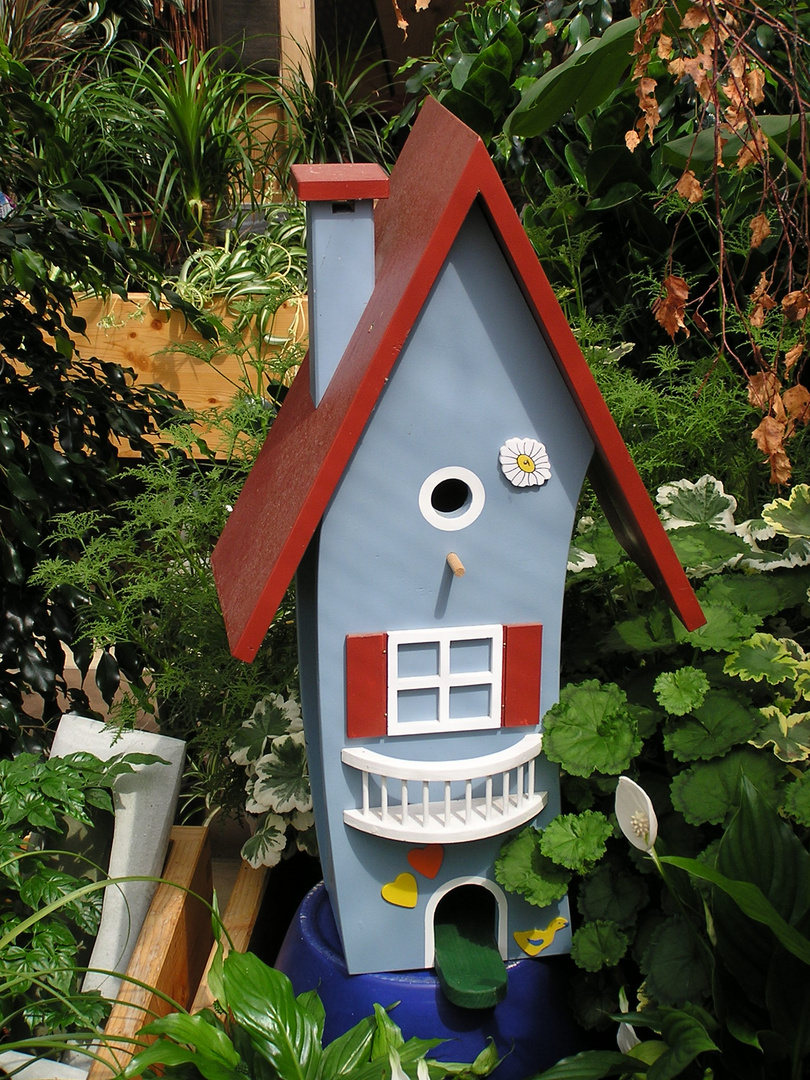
(636, 814)
(626, 1037)
(397, 1072)
(524, 462)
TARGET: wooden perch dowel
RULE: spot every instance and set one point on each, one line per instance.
(455, 564)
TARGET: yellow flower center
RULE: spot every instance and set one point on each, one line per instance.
(640, 824)
(525, 463)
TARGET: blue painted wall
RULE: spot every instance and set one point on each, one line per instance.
(474, 372)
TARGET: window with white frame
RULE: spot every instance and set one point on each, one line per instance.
(446, 679)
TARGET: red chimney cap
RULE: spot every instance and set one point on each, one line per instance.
(339, 183)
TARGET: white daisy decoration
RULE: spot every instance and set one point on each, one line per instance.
(524, 462)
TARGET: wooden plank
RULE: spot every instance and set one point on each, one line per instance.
(171, 952)
(135, 334)
(239, 920)
(297, 27)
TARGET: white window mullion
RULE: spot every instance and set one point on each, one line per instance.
(443, 680)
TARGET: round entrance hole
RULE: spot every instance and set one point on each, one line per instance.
(451, 498)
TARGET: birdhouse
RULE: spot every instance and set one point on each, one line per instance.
(421, 480)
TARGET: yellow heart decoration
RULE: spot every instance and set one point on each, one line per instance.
(401, 891)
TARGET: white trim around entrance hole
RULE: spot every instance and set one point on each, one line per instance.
(433, 903)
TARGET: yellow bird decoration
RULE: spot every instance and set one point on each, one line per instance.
(534, 941)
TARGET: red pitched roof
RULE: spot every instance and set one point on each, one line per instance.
(443, 168)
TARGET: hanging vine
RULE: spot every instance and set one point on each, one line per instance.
(741, 63)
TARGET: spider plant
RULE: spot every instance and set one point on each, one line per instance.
(38, 32)
(327, 114)
(190, 120)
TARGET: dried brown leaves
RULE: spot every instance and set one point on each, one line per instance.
(785, 408)
(669, 309)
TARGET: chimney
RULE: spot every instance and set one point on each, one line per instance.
(340, 256)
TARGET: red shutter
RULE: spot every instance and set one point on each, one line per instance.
(366, 685)
(521, 674)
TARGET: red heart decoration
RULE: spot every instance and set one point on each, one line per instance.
(427, 860)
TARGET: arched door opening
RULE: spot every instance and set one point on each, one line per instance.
(467, 960)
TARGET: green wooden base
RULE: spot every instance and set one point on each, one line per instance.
(468, 964)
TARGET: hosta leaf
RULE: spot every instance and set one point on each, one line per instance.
(703, 503)
(522, 868)
(209, 1041)
(576, 840)
(282, 783)
(762, 656)
(790, 516)
(591, 730)
(709, 791)
(598, 944)
(676, 964)
(751, 902)
(593, 1065)
(613, 894)
(789, 735)
(723, 721)
(681, 692)
(686, 1037)
(797, 799)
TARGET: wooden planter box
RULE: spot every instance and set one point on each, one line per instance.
(136, 334)
(172, 951)
(176, 945)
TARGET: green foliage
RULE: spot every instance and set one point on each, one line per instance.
(598, 944)
(680, 692)
(712, 931)
(198, 114)
(606, 130)
(270, 746)
(576, 841)
(63, 421)
(41, 947)
(522, 868)
(259, 1028)
(591, 729)
(328, 115)
(150, 606)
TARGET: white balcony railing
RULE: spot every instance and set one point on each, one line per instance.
(446, 802)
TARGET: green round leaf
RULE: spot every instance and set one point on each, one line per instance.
(723, 721)
(709, 791)
(797, 800)
(522, 868)
(598, 944)
(682, 691)
(676, 965)
(613, 894)
(762, 657)
(576, 840)
(591, 730)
